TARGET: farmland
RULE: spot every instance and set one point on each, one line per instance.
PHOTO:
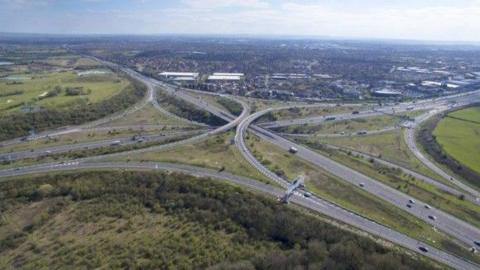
(459, 136)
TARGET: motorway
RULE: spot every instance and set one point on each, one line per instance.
(440, 186)
(386, 110)
(411, 143)
(149, 97)
(46, 151)
(342, 134)
(451, 225)
(314, 204)
(445, 222)
(457, 228)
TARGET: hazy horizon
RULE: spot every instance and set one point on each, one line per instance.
(427, 20)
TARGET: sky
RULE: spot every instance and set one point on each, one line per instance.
(437, 20)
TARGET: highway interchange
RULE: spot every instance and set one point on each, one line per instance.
(444, 222)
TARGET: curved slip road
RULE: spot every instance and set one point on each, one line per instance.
(439, 185)
(449, 224)
(457, 228)
(409, 136)
(336, 135)
(387, 110)
(224, 115)
(314, 204)
(39, 152)
(453, 226)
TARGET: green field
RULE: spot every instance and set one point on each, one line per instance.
(390, 146)
(294, 113)
(351, 126)
(459, 136)
(32, 91)
(395, 178)
(48, 89)
(349, 196)
(149, 115)
(139, 220)
(217, 152)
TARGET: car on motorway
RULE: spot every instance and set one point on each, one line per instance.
(115, 143)
(411, 201)
(362, 184)
(355, 112)
(307, 194)
(432, 217)
(409, 205)
(428, 206)
(293, 150)
(424, 249)
(330, 118)
(362, 132)
(477, 242)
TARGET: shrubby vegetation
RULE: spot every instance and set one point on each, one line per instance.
(233, 107)
(8, 93)
(186, 110)
(19, 124)
(434, 149)
(166, 221)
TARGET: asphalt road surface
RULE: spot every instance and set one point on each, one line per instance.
(453, 226)
(439, 185)
(386, 110)
(411, 143)
(314, 204)
(45, 151)
(457, 228)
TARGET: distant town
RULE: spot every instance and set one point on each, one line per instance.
(302, 69)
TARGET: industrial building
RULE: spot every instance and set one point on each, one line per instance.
(179, 76)
(386, 93)
(219, 76)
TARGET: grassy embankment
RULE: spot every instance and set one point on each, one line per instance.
(294, 113)
(455, 205)
(351, 197)
(217, 152)
(186, 110)
(459, 136)
(351, 126)
(43, 96)
(390, 146)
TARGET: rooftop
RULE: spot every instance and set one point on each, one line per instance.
(224, 78)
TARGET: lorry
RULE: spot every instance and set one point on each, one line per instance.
(116, 143)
